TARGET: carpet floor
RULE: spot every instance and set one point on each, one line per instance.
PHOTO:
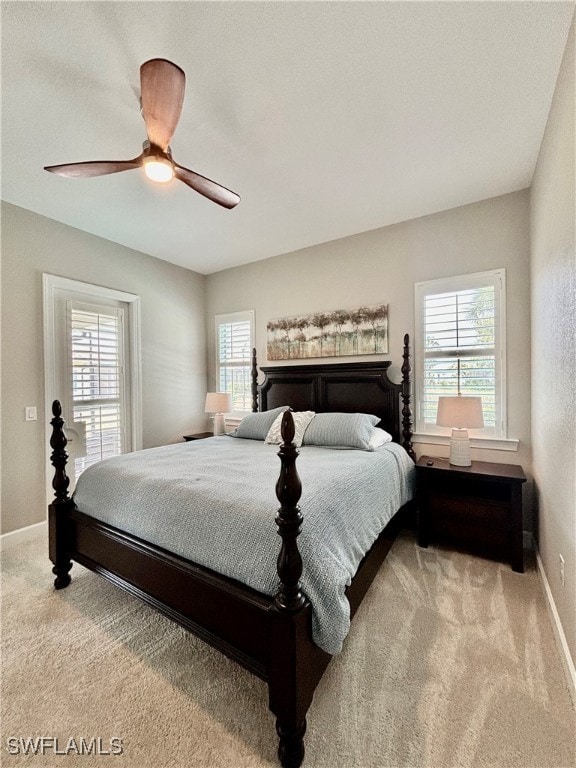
(450, 663)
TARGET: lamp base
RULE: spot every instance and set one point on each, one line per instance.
(460, 448)
(219, 424)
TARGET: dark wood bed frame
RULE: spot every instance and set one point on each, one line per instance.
(270, 636)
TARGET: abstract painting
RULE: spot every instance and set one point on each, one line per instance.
(341, 332)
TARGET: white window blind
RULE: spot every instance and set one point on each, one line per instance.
(234, 343)
(460, 347)
(97, 379)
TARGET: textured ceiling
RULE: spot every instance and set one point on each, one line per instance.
(327, 118)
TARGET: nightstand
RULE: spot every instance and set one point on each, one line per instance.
(198, 436)
(479, 506)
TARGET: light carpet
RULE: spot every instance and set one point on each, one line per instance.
(450, 663)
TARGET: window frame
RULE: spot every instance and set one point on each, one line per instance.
(426, 432)
(225, 319)
(54, 342)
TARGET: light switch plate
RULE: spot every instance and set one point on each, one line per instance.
(31, 414)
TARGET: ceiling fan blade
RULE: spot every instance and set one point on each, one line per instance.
(162, 85)
(210, 189)
(94, 168)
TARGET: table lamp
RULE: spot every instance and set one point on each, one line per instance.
(461, 413)
(218, 403)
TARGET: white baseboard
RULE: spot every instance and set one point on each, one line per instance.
(30, 532)
(567, 661)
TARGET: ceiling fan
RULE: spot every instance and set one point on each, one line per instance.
(162, 85)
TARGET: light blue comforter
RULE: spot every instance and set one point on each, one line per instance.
(213, 502)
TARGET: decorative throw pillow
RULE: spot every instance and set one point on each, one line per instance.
(255, 426)
(341, 430)
(301, 421)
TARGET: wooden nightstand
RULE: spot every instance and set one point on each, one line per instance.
(479, 506)
(198, 436)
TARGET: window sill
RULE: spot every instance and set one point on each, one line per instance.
(488, 443)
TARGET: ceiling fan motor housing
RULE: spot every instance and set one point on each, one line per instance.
(153, 150)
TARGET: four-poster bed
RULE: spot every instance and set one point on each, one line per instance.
(269, 635)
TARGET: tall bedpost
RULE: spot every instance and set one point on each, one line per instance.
(290, 613)
(59, 547)
(406, 411)
(254, 385)
(288, 491)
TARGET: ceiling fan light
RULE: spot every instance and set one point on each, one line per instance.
(158, 169)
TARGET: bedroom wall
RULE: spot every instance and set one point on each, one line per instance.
(382, 266)
(553, 280)
(173, 344)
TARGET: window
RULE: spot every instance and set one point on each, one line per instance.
(460, 343)
(96, 339)
(234, 343)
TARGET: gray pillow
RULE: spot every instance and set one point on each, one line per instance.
(341, 430)
(255, 426)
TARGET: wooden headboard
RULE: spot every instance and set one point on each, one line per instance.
(341, 387)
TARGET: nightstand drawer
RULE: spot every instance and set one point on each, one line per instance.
(472, 510)
(459, 487)
(474, 538)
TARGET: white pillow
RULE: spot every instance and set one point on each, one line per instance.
(301, 421)
(378, 437)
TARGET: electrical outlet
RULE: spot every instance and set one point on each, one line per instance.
(30, 412)
(561, 570)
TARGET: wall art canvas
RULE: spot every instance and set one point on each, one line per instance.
(362, 331)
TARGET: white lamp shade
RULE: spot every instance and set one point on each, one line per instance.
(218, 402)
(460, 412)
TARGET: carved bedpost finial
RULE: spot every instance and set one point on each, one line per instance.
(59, 457)
(406, 411)
(254, 386)
(288, 490)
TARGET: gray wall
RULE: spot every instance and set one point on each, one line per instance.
(553, 280)
(173, 344)
(382, 266)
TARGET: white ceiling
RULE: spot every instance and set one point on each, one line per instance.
(327, 118)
